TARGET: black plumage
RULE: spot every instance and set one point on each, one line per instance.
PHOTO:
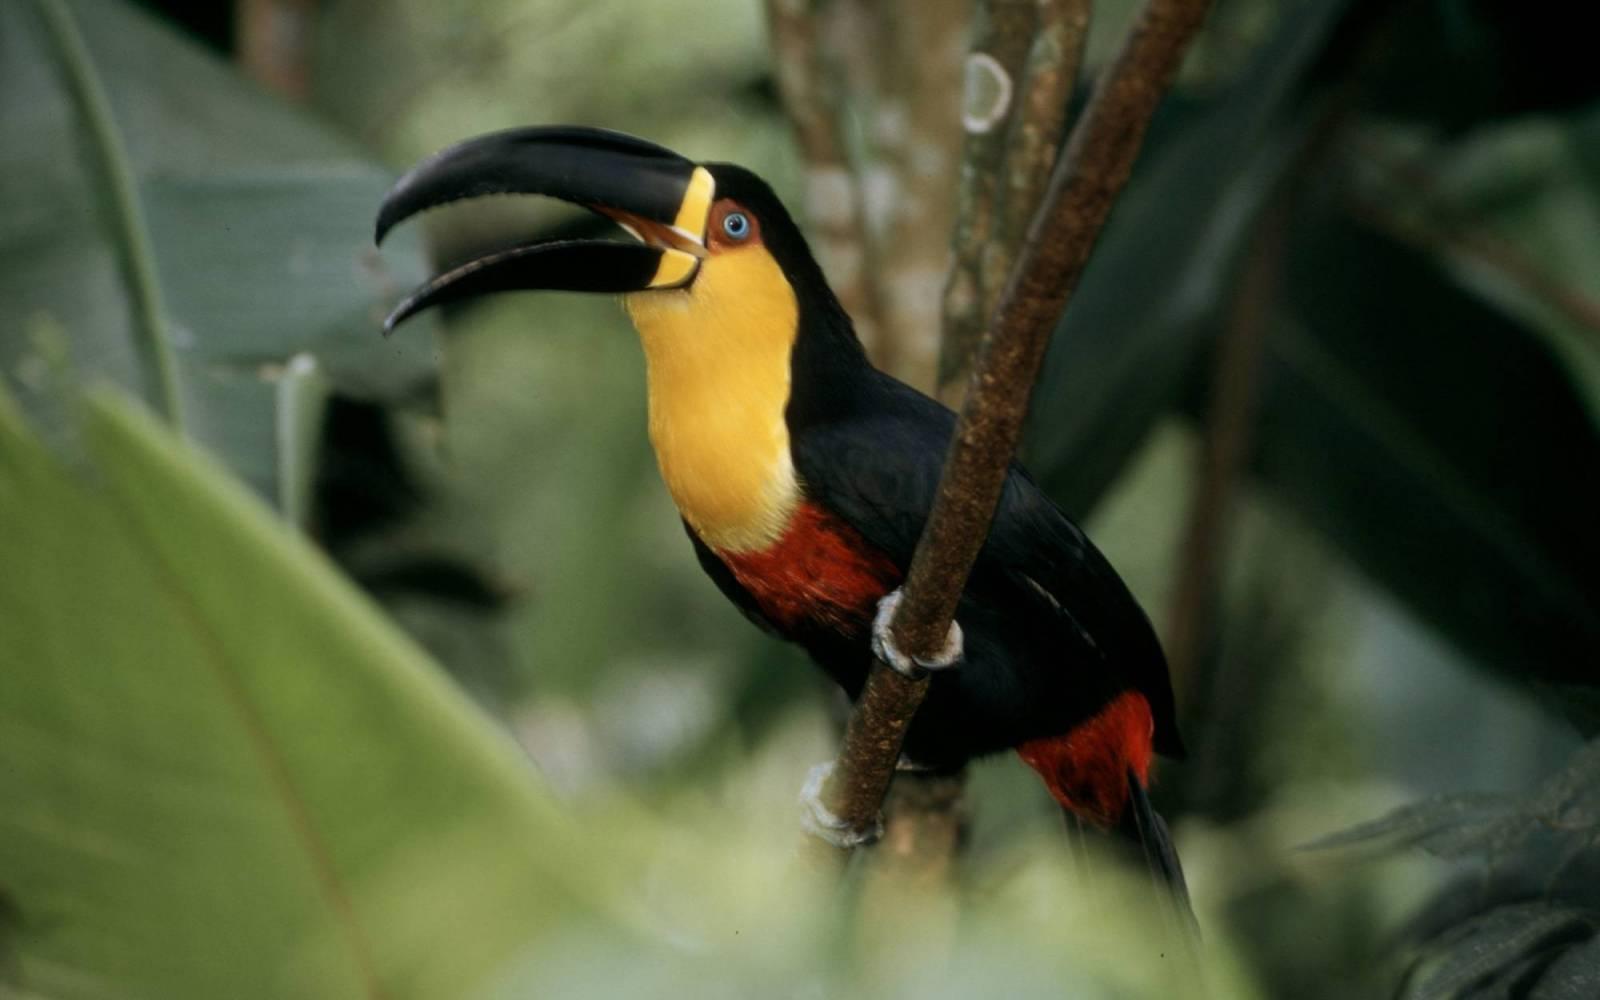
(1052, 633)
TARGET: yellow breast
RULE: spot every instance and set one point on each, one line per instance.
(717, 354)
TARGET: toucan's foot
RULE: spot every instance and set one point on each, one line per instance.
(914, 667)
(821, 822)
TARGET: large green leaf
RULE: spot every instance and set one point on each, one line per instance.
(207, 247)
(223, 773)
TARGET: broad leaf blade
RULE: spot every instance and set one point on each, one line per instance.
(1435, 443)
(1573, 976)
(1498, 940)
(1514, 211)
(259, 219)
(224, 773)
(1417, 822)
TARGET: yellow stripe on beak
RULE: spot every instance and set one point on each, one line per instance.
(696, 206)
(676, 267)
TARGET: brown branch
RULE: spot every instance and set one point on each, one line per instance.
(273, 38)
(1035, 134)
(1000, 42)
(1095, 166)
(1036, 47)
(834, 204)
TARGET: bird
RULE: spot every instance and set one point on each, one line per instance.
(804, 474)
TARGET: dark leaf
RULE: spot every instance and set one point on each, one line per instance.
(1575, 975)
(231, 271)
(1162, 270)
(1434, 441)
(1498, 940)
(1419, 821)
(1571, 797)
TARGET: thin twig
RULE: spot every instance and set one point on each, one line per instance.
(1048, 77)
(999, 52)
(1095, 166)
(1229, 424)
(132, 233)
(1226, 446)
(1030, 53)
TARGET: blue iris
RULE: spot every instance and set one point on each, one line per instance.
(736, 225)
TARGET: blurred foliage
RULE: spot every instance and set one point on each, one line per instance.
(226, 183)
(1427, 414)
(1527, 922)
(244, 782)
(1124, 354)
(240, 780)
(185, 230)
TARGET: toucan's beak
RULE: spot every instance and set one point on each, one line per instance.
(657, 195)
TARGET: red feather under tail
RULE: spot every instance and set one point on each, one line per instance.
(1099, 772)
(1087, 769)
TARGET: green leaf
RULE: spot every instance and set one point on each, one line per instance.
(224, 773)
(1572, 795)
(192, 234)
(1436, 444)
(1573, 976)
(1499, 939)
(1513, 212)
(1418, 822)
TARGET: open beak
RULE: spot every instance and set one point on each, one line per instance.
(659, 197)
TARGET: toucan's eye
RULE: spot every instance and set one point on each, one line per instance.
(736, 225)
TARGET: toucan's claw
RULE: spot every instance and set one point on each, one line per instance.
(914, 667)
(823, 823)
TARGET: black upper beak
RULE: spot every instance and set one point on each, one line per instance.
(653, 192)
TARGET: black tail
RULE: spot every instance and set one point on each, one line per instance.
(1145, 828)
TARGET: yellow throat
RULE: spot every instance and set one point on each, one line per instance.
(717, 354)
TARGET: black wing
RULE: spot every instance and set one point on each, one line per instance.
(874, 459)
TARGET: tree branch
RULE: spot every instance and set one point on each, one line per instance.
(273, 38)
(833, 189)
(1030, 52)
(1083, 185)
(994, 65)
(913, 53)
(1225, 447)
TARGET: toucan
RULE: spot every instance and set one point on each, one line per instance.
(804, 475)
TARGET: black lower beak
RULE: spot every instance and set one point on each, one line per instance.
(657, 194)
(560, 265)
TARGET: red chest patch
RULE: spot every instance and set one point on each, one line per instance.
(821, 572)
